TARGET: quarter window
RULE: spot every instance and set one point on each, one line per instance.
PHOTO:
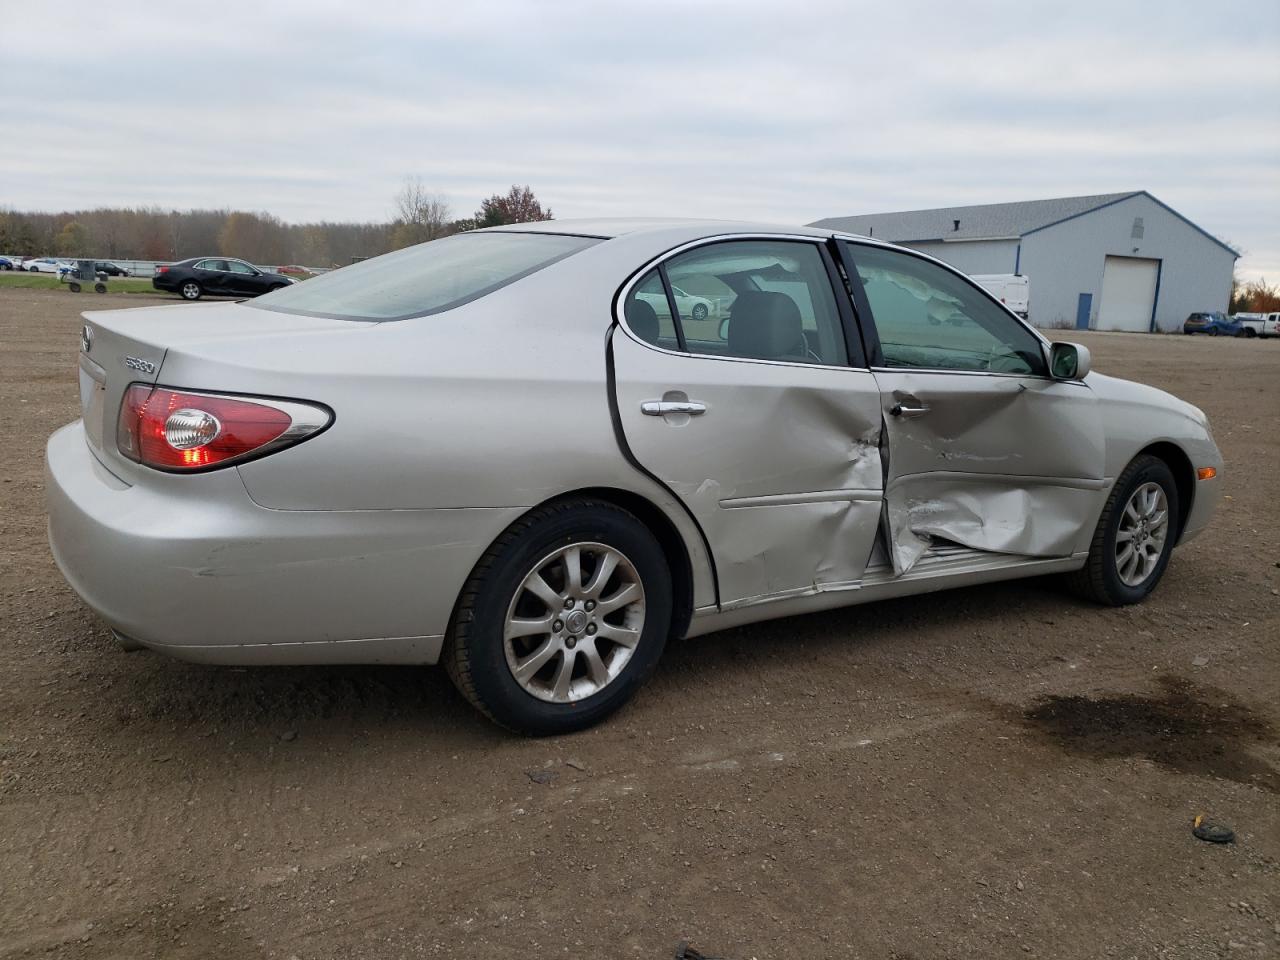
(928, 317)
(648, 312)
(757, 299)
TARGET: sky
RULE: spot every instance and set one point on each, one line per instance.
(780, 111)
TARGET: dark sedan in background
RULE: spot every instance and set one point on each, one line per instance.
(1214, 324)
(216, 277)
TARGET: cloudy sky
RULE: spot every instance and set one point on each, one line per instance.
(785, 111)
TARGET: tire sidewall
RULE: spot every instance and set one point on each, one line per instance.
(1148, 470)
(490, 675)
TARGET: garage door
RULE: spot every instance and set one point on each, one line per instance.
(1128, 293)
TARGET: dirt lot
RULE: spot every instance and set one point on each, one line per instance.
(991, 772)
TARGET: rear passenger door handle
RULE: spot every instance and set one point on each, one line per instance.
(662, 408)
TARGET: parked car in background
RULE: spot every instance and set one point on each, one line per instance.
(1212, 324)
(1258, 324)
(7, 263)
(197, 277)
(111, 269)
(508, 452)
(292, 268)
(1011, 289)
(45, 265)
(689, 305)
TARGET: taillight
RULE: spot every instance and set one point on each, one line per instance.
(183, 431)
(162, 269)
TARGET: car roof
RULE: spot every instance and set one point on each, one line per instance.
(609, 228)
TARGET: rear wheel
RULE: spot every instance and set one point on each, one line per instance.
(191, 290)
(562, 620)
(1212, 331)
(1135, 535)
(699, 311)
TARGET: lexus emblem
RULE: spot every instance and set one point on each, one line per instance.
(86, 338)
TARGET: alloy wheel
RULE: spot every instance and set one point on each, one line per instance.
(574, 622)
(1141, 536)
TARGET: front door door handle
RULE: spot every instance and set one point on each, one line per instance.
(911, 409)
(662, 408)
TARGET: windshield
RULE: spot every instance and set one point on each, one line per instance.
(424, 279)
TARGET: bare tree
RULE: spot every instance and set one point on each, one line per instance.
(419, 215)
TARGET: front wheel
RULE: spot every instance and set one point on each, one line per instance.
(1135, 535)
(562, 620)
(191, 290)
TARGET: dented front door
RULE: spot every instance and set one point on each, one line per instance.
(1005, 464)
(984, 448)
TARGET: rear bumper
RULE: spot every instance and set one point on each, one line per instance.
(200, 571)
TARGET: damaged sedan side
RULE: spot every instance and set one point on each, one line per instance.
(515, 453)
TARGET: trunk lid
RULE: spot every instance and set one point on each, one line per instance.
(121, 347)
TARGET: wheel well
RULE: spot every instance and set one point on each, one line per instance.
(1183, 475)
(668, 538)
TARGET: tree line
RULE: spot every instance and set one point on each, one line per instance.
(153, 233)
(1257, 296)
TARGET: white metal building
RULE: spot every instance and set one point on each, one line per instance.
(1117, 261)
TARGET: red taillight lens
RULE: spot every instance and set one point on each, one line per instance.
(174, 430)
(162, 269)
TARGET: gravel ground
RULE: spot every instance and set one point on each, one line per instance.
(1001, 771)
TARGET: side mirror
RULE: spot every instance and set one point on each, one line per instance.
(723, 333)
(1069, 361)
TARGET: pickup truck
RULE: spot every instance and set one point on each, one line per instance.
(1258, 324)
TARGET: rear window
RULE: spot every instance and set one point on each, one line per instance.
(424, 279)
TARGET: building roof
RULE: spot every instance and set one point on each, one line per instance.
(988, 221)
(985, 221)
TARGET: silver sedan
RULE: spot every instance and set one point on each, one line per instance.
(511, 451)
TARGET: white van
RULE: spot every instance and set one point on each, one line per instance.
(1011, 289)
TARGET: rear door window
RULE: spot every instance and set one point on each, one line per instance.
(757, 299)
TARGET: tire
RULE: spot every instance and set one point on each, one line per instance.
(190, 290)
(100, 287)
(75, 287)
(1248, 333)
(33, 269)
(699, 311)
(1101, 579)
(481, 661)
(1212, 331)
